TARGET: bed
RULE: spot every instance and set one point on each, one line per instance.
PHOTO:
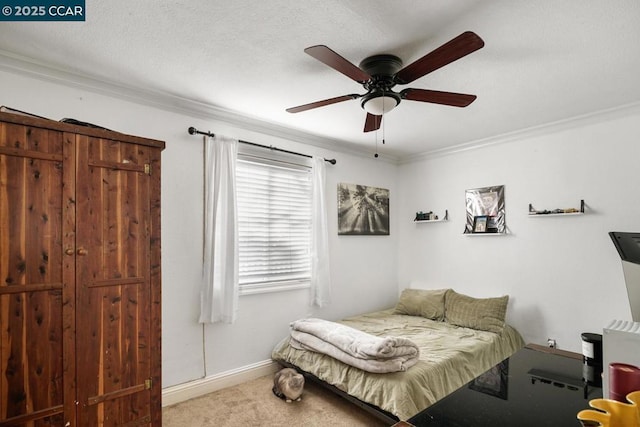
(459, 338)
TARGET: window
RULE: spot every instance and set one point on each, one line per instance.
(274, 224)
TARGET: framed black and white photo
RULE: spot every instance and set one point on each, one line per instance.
(480, 224)
(363, 210)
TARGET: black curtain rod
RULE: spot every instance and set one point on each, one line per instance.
(193, 131)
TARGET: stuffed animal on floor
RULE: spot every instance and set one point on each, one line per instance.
(288, 385)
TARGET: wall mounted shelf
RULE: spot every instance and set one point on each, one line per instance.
(556, 212)
(504, 233)
(446, 218)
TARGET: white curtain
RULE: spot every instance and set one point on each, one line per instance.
(219, 294)
(320, 270)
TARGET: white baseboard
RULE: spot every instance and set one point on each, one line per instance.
(181, 392)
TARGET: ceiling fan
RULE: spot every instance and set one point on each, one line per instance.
(378, 75)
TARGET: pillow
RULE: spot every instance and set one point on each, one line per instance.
(484, 314)
(427, 303)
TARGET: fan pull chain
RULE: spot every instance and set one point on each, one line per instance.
(383, 111)
(376, 133)
(383, 142)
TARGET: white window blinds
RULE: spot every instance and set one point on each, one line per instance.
(274, 223)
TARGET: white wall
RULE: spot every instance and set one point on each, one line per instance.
(364, 267)
(563, 274)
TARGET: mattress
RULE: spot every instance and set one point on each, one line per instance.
(450, 357)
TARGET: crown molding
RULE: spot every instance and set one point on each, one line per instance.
(534, 131)
(30, 67)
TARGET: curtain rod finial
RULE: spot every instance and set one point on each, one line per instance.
(192, 130)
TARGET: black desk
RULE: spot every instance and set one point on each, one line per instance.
(534, 387)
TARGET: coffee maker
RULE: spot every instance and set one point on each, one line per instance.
(592, 359)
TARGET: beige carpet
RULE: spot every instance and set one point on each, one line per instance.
(253, 404)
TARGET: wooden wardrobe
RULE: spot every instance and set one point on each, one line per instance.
(79, 276)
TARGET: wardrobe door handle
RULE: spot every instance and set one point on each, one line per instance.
(82, 252)
(69, 251)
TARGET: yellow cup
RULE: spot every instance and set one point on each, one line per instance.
(588, 416)
(611, 413)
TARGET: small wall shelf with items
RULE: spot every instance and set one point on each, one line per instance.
(502, 233)
(556, 212)
(430, 217)
(486, 234)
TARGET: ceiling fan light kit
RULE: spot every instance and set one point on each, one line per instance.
(379, 103)
(379, 74)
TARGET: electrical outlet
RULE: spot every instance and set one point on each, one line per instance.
(551, 342)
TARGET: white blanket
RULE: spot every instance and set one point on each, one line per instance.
(354, 347)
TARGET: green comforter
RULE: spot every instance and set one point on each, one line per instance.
(450, 356)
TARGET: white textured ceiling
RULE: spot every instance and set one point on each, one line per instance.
(543, 61)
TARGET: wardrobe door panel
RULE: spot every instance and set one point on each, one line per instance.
(114, 363)
(31, 276)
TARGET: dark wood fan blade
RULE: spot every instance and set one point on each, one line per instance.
(327, 56)
(322, 103)
(437, 97)
(372, 122)
(460, 46)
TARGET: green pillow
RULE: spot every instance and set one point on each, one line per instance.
(484, 314)
(427, 303)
